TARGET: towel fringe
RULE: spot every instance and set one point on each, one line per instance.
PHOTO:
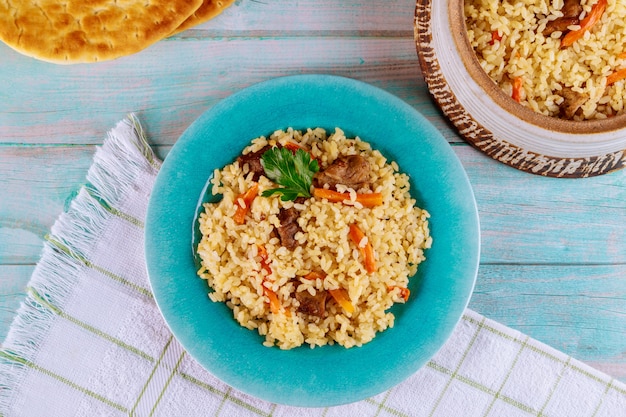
(63, 256)
(120, 161)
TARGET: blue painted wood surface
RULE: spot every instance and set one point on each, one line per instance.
(553, 259)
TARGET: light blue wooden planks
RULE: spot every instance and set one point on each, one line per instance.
(578, 309)
(553, 251)
(12, 291)
(572, 222)
(75, 104)
(315, 15)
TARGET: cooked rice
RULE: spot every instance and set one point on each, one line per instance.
(544, 67)
(398, 231)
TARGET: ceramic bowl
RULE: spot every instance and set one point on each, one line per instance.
(328, 375)
(493, 122)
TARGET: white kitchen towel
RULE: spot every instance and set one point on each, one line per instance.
(89, 340)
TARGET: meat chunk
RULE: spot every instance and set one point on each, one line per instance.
(559, 25)
(313, 305)
(352, 171)
(288, 227)
(572, 101)
(253, 159)
(571, 11)
(572, 8)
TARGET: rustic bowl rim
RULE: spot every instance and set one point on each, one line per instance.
(486, 118)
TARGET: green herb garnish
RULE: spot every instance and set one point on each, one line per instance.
(293, 171)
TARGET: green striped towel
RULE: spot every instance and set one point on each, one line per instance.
(89, 340)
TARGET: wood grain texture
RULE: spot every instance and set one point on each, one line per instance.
(77, 104)
(575, 222)
(553, 253)
(315, 15)
(576, 309)
(12, 290)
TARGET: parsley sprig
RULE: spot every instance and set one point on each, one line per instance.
(294, 171)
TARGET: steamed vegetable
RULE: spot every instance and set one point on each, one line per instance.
(243, 203)
(616, 76)
(341, 297)
(517, 89)
(586, 24)
(367, 200)
(404, 292)
(365, 247)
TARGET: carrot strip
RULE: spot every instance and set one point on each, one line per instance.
(247, 197)
(265, 263)
(341, 297)
(616, 76)
(517, 89)
(495, 36)
(274, 302)
(275, 306)
(622, 55)
(404, 292)
(356, 236)
(586, 24)
(367, 200)
(313, 275)
(293, 147)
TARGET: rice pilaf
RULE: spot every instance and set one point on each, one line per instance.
(520, 46)
(241, 262)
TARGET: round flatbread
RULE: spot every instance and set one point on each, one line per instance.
(208, 10)
(73, 31)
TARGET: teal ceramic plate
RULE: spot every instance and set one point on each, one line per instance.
(330, 375)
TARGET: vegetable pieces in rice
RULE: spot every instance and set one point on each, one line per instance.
(310, 269)
(560, 58)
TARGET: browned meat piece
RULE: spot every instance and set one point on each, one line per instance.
(571, 11)
(572, 8)
(560, 25)
(313, 305)
(572, 100)
(253, 159)
(352, 171)
(288, 227)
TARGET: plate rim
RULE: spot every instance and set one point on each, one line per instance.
(161, 291)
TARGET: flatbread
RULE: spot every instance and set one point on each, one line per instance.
(208, 10)
(73, 31)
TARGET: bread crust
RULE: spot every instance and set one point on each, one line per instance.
(208, 10)
(80, 31)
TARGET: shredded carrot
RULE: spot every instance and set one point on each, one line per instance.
(367, 200)
(404, 292)
(243, 208)
(622, 55)
(313, 275)
(495, 36)
(293, 147)
(274, 302)
(275, 306)
(265, 263)
(341, 297)
(356, 236)
(616, 76)
(517, 89)
(586, 24)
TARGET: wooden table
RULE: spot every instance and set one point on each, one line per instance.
(553, 258)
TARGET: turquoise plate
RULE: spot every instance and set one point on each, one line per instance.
(330, 375)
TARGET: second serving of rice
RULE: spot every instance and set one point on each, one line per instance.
(231, 263)
(509, 40)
